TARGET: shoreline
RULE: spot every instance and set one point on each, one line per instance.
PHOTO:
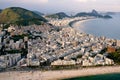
(58, 74)
(77, 25)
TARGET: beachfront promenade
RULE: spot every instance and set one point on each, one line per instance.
(57, 75)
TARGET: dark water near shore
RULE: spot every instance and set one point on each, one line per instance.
(104, 27)
(99, 77)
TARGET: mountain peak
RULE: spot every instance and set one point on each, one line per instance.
(94, 12)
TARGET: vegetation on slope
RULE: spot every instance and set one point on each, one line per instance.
(39, 13)
(115, 56)
(20, 16)
(94, 13)
(0, 10)
(60, 15)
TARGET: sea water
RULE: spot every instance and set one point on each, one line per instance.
(109, 28)
(98, 77)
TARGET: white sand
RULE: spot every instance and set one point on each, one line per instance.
(57, 75)
(78, 25)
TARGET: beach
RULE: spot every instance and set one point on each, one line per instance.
(58, 74)
(78, 25)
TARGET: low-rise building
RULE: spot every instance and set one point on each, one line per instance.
(9, 60)
(63, 62)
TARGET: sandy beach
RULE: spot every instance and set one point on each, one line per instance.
(57, 75)
(78, 25)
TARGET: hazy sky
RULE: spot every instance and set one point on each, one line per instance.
(51, 6)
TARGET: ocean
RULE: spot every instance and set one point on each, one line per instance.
(99, 77)
(109, 28)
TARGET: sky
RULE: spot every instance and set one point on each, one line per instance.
(71, 6)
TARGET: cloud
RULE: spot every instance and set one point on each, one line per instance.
(43, 1)
(34, 1)
(84, 1)
(81, 0)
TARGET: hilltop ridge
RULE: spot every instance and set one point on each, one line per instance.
(94, 13)
(59, 15)
(20, 16)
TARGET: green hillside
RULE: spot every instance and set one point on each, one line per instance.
(94, 13)
(17, 15)
(39, 13)
(0, 10)
(60, 15)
